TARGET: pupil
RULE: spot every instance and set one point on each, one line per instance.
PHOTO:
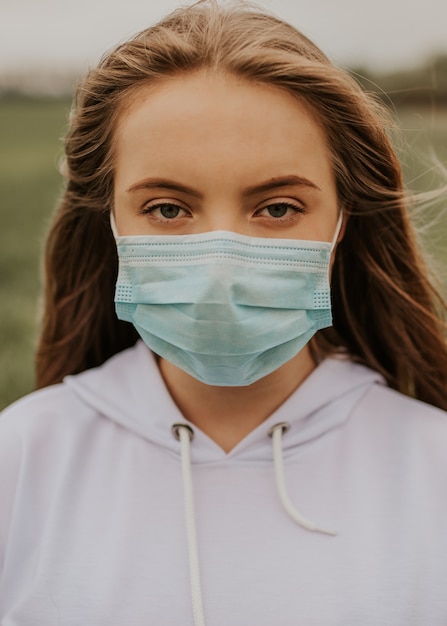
(277, 210)
(169, 211)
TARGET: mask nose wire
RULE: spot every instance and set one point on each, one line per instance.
(185, 434)
(276, 434)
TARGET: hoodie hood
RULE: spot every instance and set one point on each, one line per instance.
(129, 390)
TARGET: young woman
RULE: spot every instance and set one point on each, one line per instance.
(257, 435)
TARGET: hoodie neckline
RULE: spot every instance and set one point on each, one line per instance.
(129, 390)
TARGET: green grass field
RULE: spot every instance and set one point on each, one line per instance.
(30, 148)
(29, 186)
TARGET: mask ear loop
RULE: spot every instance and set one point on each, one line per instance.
(337, 231)
(113, 225)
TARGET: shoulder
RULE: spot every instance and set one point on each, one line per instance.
(374, 399)
(40, 432)
(39, 410)
(67, 403)
(37, 435)
(378, 420)
(84, 404)
(382, 400)
(403, 426)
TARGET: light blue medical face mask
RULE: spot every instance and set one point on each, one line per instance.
(226, 308)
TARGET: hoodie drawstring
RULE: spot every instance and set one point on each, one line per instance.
(276, 434)
(185, 434)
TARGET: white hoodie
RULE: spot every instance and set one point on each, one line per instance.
(92, 528)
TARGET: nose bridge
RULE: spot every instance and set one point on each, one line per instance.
(224, 222)
(224, 214)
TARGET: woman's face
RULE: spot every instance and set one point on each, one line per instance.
(205, 152)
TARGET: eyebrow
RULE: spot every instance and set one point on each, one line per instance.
(283, 181)
(152, 183)
(273, 183)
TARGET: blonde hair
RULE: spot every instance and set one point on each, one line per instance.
(386, 312)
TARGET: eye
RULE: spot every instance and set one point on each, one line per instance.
(165, 211)
(280, 210)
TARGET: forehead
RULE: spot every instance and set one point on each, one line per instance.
(219, 95)
(206, 117)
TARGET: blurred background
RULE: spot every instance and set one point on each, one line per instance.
(396, 49)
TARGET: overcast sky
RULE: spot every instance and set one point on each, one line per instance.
(73, 34)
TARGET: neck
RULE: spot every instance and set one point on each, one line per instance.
(228, 414)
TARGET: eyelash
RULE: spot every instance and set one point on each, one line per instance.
(148, 210)
(297, 209)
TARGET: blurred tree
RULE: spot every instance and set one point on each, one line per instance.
(425, 84)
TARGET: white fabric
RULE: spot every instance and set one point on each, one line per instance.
(92, 527)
